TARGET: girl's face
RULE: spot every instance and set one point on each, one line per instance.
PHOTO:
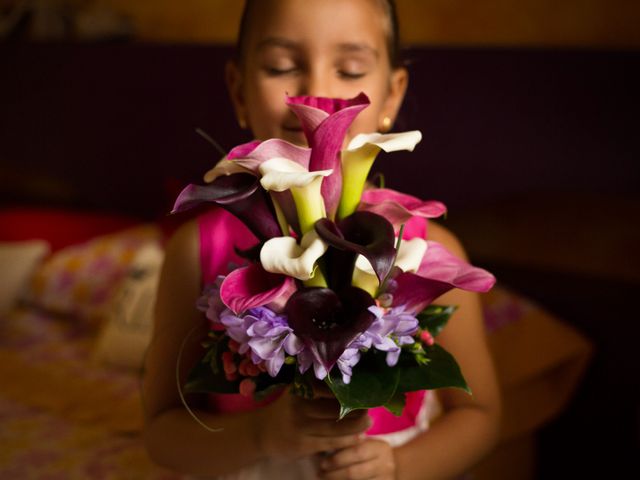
(328, 48)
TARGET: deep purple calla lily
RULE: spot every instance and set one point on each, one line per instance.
(252, 286)
(325, 122)
(328, 322)
(439, 272)
(361, 233)
(241, 195)
(399, 207)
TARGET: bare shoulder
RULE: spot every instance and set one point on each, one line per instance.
(446, 237)
(184, 242)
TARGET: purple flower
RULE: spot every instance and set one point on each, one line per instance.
(266, 334)
(349, 358)
(210, 303)
(391, 329)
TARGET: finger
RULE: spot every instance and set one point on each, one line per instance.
(357, 471)
(331, 428)
(322, 390)
(326, 408)
(361, 452)
(313, 444)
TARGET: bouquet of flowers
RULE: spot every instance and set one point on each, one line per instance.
(331, 289)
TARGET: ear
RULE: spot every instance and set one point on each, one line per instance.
(234, 81)
(397, 89)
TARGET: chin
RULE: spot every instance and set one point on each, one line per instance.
(295, 137)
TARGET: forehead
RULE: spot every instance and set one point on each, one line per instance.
(319, 24)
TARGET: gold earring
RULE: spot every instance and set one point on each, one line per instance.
(242, 122)
(386, 124)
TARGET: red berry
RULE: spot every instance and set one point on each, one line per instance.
(247, 387)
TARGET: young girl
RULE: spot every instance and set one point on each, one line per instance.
(329, 48)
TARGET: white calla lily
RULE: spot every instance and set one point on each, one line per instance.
(280, 174)
(408, 259)
(284, 255)
(358, 158)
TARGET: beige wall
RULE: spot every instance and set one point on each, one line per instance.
(440, 22)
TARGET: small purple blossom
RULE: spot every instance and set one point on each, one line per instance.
(210, 303)
(349, 358)
(266, 334)
(391, 329)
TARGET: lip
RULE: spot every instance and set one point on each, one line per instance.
(294, 134)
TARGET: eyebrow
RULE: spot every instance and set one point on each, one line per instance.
(358, 48)
(349, 47)
(277, 42)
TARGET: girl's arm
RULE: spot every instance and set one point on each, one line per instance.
(289, 426)
(468, 428)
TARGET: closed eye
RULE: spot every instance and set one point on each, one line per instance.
(275, 72)
(350, 75)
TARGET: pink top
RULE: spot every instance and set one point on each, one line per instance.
(220, 232)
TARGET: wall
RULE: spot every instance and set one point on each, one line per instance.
(584, 23)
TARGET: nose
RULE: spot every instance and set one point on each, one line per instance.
(315, 83)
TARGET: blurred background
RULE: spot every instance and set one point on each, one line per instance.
(529, 111)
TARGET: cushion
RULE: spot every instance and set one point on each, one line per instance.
(127, 332)
(18, 260)
(81, 280)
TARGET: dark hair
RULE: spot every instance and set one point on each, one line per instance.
(393, 38)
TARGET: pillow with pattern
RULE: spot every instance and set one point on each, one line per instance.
(81, 280)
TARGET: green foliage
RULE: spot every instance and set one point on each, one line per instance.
(435, 317)
(372, 384)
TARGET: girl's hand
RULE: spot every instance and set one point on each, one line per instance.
(369, 459)
(292, 426)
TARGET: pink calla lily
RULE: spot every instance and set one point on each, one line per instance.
(439, 272)
(252, 286)
(251, 155)
(398, 207)
(325, 122)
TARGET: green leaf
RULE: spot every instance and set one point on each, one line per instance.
(396, 404)
(435, 368)
(373, 384)
(435, 317)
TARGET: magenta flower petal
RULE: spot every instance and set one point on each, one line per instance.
(398, 207)
(252, 286)
(251, 155)
(241, 151)
(439, 272)
(327, 322)
(325, 122)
